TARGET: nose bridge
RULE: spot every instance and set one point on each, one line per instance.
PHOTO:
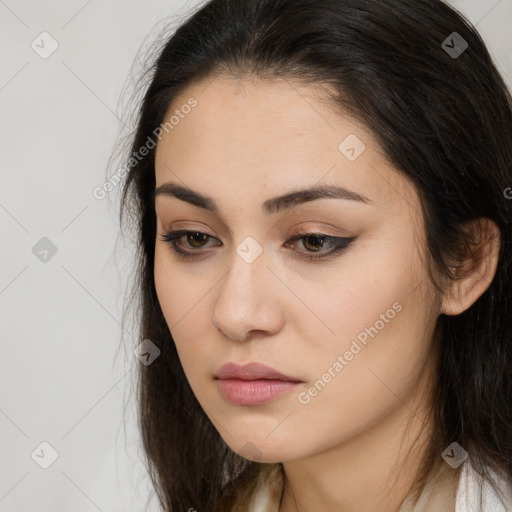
(248, 267)
(246, 299)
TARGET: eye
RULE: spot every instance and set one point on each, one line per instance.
(315, 242)
(194, 238)
(312, 242)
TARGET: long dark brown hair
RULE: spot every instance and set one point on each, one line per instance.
(443, 120)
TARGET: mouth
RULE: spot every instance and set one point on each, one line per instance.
(253, 383)
(251, 371)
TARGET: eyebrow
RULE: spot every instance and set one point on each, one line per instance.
(274, 205)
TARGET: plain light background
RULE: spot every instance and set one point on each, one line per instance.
(62, 379)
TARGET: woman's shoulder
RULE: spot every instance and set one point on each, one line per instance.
(475, 494)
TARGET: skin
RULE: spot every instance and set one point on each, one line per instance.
(245, 142)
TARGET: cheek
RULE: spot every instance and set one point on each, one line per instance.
(180, 293)
(184, 300)
(380, 315)
(376, 317)
(373, 292)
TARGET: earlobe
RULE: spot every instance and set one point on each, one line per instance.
(476, 271)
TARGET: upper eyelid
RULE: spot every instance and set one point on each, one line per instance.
(309, 230)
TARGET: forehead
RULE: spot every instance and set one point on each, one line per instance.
(257, 136)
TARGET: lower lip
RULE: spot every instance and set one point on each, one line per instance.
(253, 392)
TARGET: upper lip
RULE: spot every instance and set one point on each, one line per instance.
(250, 371)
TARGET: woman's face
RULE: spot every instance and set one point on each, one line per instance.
(352, 328)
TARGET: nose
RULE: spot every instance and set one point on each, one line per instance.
(247, 301)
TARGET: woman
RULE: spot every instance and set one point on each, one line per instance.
(321, 190)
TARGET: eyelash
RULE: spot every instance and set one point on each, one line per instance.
(340, 243)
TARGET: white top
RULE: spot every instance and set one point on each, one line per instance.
(469, 494)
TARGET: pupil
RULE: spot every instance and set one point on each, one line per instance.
(314, 237)
(192, 239)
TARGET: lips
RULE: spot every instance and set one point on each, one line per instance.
(251, 371)
(253, 384)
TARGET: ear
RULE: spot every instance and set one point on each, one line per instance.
(476, 269)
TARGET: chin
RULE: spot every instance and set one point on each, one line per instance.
(265, 451)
